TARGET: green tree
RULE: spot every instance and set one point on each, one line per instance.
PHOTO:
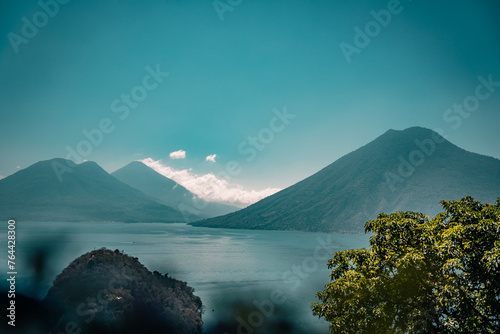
(420, 275)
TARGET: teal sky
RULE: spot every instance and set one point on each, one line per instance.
(227, 76)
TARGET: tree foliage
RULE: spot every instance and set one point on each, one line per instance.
(420, 274)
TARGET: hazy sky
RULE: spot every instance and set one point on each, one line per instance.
(296, 75)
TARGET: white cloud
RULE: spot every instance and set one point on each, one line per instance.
(211, 157)
(210, 187)
(2, 177)
(180, 154)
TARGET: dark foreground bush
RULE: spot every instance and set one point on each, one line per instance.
(106, 291)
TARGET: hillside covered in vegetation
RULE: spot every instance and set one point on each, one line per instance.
(106, 291)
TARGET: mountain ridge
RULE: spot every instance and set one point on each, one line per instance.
(342, 196)
(84, 192)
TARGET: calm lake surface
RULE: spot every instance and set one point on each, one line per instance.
(281, 272)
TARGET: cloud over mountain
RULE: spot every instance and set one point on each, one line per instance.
(209, 186)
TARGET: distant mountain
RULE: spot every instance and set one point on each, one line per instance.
(85, 192)
(409, 170)
(168, 192)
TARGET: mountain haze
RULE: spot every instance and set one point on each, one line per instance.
(168, 192)
(87, 193)
(409, 170)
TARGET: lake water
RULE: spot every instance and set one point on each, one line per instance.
(270, 274)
